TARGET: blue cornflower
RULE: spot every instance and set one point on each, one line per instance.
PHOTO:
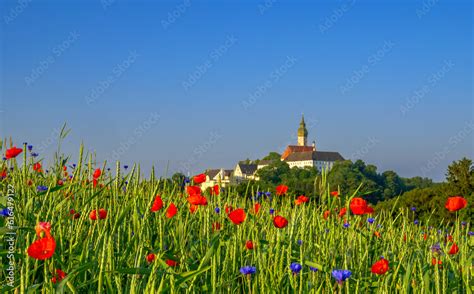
(370, 220)
(30, 147)
(74, 166)
(417, 222)
(295, 267)
(268, 194)
(4, 158)
(439, 232)
(41, 188)
(463, 224)
(436, 248)
(313, 269)
(34, 154)
(413, 208)
(248, 270)
(347, 225)
(5, 212)
(25, 143)
(327, 230)
(187, 180)
(125, 166)
(272, 211)
(341, 275)
(217, 210)
(259, 194)
(470, 233)
(300, 242)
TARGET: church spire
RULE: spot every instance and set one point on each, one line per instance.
(302, 133)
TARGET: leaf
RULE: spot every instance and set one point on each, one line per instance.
(70, 275)
(314, 264)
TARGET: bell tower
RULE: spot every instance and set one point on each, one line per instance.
(302, 133)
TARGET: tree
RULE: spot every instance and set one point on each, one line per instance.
(273, 172)
(272, 156)
(460, 177)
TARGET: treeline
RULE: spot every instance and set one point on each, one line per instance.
(386, 190)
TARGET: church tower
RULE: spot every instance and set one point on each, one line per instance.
(302, 133)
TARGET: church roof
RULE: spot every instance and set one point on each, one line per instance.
(315, 155)
(212, 173)
(294, 149)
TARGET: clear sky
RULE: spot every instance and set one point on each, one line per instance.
(194, 85)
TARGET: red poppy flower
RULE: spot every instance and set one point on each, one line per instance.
(197, 200)
(237, 216)
(301, 199)
(193, 190)
(199, 179)
(60, 182)
(74, 214)
(171, 263)
(377, 234)
(335, 193)
(172, 210)
(97, 173)
(215, 190)
(193, 208)
(454, 249)
(64, 168)
(13, 152)
(342, 212)
(281, 190)
(216, 226)
(228, 209)
(37, 167)
(249, 245)
(455, 203)
(60, 275)
(326, 214)
(94, 183)
(3, 174)
(358, 206)
(43, 227)
(150, 257)
(435, 261)
(449, 238)
(380, 267)
(256, 208)
(280, 222)
(369, 210)
(102, 214)
(42, 248)
(157, 204)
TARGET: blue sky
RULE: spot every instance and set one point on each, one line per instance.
(191, 85)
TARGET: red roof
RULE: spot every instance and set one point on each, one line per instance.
(294, 149)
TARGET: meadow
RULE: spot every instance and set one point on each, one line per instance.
(83, 228)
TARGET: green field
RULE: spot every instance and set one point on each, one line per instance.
(110, 255)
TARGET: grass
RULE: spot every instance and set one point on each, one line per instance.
(109, 256)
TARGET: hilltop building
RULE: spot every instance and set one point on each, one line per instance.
(302, 155)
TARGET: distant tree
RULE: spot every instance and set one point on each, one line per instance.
(460, 176)
(393, 185)
(274, 172)
(272, 156)
(417, 182)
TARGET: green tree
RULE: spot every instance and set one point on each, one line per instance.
(460, 176)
